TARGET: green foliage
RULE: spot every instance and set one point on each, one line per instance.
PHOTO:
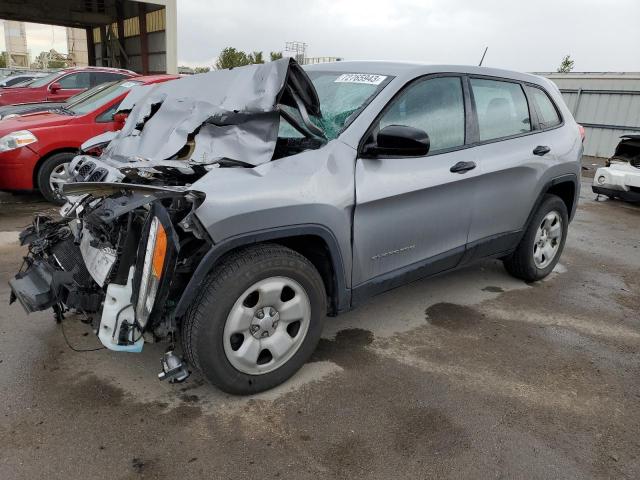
(566, 65)
(201, 69)
(3, 60)
(230, 57)
(255, 57)
(57, 64)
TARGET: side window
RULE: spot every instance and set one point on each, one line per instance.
(434, 105)
(107, 115)
(545, 109)
(76, 80)
(104, 77)
(501, 107)
(13, 81)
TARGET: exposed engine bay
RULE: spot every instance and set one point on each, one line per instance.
(128, 239)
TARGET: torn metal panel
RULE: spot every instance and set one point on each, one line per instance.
(228, 114)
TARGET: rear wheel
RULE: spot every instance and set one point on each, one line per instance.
(541, 245)
(257, 319)
(52, 175)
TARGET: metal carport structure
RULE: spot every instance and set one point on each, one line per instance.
(136, 34)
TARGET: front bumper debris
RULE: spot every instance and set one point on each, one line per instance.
(95, 260)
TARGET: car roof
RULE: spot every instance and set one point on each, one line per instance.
(146, 79)
(409, 70)
(97, 69)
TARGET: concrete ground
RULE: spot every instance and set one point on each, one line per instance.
(468, 375)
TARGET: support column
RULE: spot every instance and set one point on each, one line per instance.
(144, 43)
(91, 46)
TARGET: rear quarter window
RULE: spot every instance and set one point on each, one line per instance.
(546, 110)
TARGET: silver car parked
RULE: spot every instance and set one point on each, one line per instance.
(237, 209)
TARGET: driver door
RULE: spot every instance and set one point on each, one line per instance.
(413, 214)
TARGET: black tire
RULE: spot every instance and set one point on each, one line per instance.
(204, 323)
(521, 263)
(44, 174)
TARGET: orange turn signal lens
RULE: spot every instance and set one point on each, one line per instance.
(159, 251)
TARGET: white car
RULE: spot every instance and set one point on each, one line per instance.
(621, 177)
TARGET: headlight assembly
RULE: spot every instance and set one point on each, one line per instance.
(157, 263)
(17, 139)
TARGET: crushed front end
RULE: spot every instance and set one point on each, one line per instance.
(121, 253)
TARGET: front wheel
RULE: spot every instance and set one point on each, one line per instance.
(52, 175)
(257, 319)
(541, 245)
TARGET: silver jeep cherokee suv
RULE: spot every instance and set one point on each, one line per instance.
(238, 208)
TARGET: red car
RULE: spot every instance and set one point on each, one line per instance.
(62, 84)
(35, 148)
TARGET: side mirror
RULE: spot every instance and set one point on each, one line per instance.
(401, 141)
(54, 87)
(119, 119)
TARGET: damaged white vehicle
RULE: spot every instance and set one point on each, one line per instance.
(620, 178)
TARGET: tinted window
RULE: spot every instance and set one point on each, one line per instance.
(76, 80)
(107, 115)
(502, 108)
(41, 82)
(436, 106)
(546, 111)
(101, 97)
(102, 77)
(14, 81)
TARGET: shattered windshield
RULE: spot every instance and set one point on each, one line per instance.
(342, 96)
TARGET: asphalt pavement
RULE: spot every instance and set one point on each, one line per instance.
(471, 374)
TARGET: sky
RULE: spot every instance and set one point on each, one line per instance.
(600, 35)
(41, 38)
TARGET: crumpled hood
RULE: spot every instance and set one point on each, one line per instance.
(225, 114)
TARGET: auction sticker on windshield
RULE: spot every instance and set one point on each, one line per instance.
(367, 78)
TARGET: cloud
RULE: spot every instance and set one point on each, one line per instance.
(530, 36)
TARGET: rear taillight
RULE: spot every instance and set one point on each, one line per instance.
(581, 130)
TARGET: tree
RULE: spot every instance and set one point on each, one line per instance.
(56, 64)
(201, 69)
(275, 56)
(230, 57)
(255, 57)
(566, 65)
(3, 59)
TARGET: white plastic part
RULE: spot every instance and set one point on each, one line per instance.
(619, 176)
(117, 309)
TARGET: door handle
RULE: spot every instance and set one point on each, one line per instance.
(462, 167)
(541, 150)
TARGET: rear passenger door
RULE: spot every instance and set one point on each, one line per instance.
(412, 214)
(510, 163)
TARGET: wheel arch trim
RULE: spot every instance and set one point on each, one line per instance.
(342, 292)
